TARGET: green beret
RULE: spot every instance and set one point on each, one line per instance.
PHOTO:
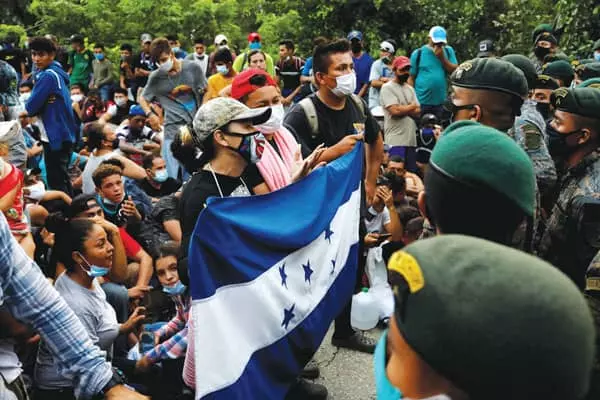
(540, 29)
(478, 155)
(560, 69)
(547, 36)
(588, 71)
(584, 101)
(596, 45)
(591, 83)
(545, 82)
(496, 322)
(490, 74)
(525, 65)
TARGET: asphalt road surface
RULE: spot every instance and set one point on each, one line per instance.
(348, 375)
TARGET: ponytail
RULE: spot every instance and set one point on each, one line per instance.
(70, 235)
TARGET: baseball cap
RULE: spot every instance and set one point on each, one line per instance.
(136, 110)
(387, 46)
(241, 85)
(253, 36)
(401, 62)
(486, 48)
(220, 38)
(220, 111)
(76, 38)
(438, 35)
(355, 35)
(146, 37)
(81, 203)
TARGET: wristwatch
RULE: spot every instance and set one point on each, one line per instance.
(117, 379)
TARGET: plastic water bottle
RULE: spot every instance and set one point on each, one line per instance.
(365, 311)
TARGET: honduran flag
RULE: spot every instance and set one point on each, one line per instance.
(268, 275)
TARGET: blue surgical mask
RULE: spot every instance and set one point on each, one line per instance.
(99, 57)
(175, 49)
(222, 69)
(174, 290)
(384, 389)
(254, 46)
(94, 271)
(161, 175)
(597, 56)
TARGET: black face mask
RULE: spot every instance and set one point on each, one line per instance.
(557, 142)
(544, 109)
(356, 47)
(541, 52)
(402, 78)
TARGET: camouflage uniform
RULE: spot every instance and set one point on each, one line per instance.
(592, 295)
(572, 235)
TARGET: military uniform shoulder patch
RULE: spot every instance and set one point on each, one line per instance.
(533, 137)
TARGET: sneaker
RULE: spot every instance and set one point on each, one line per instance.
(305, 390)
(311, 370)
(359, 342)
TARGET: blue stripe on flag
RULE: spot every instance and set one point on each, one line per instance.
(237, 238)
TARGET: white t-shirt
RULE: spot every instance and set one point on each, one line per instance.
(377, 223)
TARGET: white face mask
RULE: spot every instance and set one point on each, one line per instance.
(121, 102)
(24, 97)
(274, 123)
(76, 98)
(346, 84)
(222, 69)
(37, 191)
(167, 65)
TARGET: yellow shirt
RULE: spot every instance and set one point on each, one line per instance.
(216, 83)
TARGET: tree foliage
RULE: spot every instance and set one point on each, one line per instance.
(508, 22)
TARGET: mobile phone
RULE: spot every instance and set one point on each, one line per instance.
(383, 236)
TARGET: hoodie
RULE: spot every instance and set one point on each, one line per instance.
(50, 101)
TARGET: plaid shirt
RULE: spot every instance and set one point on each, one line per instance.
(30, 298)
(176, 331)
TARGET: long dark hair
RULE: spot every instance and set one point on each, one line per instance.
(70, 235)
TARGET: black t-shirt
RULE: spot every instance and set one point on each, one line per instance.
(14, 57)
(143, 61)
(201, 186)
(122, 113)
(169, 186)
(289, 72)
(333, 125)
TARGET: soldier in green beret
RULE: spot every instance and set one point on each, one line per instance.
(529, 129)
(592, 83)
(545, 44)
(474, 191)
(572, 237)
(583, 72)
(542, 89)
(560, 70)
(476, 320)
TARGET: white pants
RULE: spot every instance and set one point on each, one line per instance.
(378, 279)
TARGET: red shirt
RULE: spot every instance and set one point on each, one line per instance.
(14, 215)
(131, 246)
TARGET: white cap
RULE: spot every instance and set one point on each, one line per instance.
(220, 38)
(387, 46)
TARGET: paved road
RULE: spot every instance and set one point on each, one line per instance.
(348, 375)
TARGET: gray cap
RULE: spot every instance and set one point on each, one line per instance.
(146, 37)
(220, 111)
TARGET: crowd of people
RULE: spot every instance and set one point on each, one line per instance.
(105, 169)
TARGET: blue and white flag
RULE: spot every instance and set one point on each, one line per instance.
(268, 276)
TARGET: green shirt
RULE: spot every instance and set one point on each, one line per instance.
(81, 66)
(241, 62)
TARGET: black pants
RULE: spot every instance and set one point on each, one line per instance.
(57, 164)
(58, 394)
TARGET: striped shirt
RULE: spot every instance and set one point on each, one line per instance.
(174, 335)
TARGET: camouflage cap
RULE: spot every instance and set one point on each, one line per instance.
(591, 83)
(545, 82)
(220, 111)
(588, 71)
(478, 155)
(584, 101)
(486, 317)
(525, 65)
(490, 74)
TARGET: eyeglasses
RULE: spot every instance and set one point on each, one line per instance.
(453, 108)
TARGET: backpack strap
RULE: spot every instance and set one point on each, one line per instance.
(358, 102)
(311, 115)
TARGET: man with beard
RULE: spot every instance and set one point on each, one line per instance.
(571, 238)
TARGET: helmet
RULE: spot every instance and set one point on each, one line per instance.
(429, 119)
(253, 36)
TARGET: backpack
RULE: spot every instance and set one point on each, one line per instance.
(311, 112)
(418, 61)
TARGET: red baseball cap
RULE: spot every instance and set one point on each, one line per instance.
(401, 62)
(253, 36)
(241, 85)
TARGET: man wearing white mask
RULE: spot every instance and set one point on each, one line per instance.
(119, 110)
(337, 118)
(178, 86)
(199, 55)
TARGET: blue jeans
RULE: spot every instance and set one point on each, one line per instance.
(105, 92)
(167, 155)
